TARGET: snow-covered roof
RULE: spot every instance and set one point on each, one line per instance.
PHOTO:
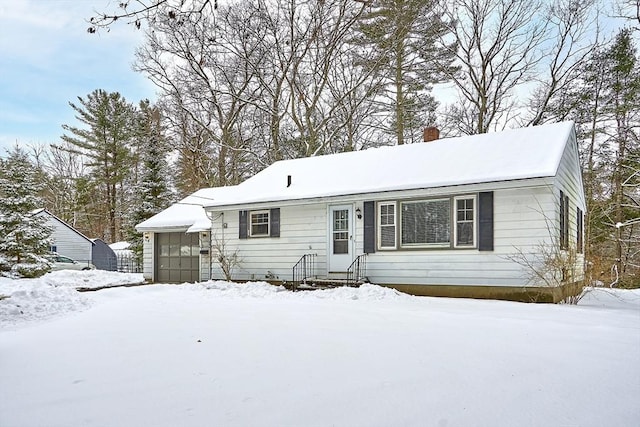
(118, 246)
(532, 152)
(43, 211)
(187, 213)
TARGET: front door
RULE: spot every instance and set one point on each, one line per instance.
(340, 238)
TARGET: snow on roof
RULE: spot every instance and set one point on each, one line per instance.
(44, 211)
(532, 152)
(187, 213)
(117, 246)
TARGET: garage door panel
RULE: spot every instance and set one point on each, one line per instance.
(174, 276)
(195, 263)
(174, 263)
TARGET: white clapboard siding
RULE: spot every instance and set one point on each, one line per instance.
(303, 230)
(205, 258)
(569, 181)
(67, 240)
(520, 224)
(147, 255)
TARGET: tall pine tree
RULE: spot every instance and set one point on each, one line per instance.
(605, 103)
(400, 41)
(622, 106)
(24, 236)
(104, 138)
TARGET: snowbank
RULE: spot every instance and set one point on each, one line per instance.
(611, 298)
(54, 294)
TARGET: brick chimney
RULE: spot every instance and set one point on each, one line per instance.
(431, 134)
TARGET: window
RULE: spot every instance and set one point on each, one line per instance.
(580, 230)
(259, 224)
(465, 234)
(341, 231)
(450, 222)
(262, 223)
(387, 225)
(426, 223)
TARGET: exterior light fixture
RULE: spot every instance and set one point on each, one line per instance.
(358, 213)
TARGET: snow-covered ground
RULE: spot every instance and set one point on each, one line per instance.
(222, 354)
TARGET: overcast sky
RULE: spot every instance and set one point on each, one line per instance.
(48, 59)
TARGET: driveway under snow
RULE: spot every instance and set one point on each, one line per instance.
(221, 354)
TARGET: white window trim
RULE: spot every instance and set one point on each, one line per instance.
(424, 245)
(475, 220)
(379, 226)
(268, 233)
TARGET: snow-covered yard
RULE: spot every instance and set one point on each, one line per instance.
(222, 354)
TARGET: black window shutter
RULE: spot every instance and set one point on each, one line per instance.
(485, 221)
(369, 227)
(243, 224)
(274, 219)
(566, 222)
(563, 220)
(579, 231)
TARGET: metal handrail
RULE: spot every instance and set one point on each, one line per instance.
(305, 268)
(357, 270)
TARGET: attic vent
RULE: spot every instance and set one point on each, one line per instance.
(431, 134)
(288, 181)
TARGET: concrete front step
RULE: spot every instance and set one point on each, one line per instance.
(325, 283)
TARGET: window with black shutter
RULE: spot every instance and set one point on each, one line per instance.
(260, 223)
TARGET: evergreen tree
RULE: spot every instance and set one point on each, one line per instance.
(605, 103)
(105, 140)
(153, 192)
(401, 37)
(24, 236)
(622, 106)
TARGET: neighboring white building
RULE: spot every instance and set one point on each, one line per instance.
(444, 217)
(66, 240)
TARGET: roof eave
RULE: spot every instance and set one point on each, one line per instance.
(530, 181)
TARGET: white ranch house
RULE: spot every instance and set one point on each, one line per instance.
(444, 217)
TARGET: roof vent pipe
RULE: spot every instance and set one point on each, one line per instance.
(288, 181)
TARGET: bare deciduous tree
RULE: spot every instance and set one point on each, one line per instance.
(629, 10)
(204, 77)
(136, 12)
(497, 46)
(572, 37)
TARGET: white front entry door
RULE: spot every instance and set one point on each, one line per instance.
(340, 238)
